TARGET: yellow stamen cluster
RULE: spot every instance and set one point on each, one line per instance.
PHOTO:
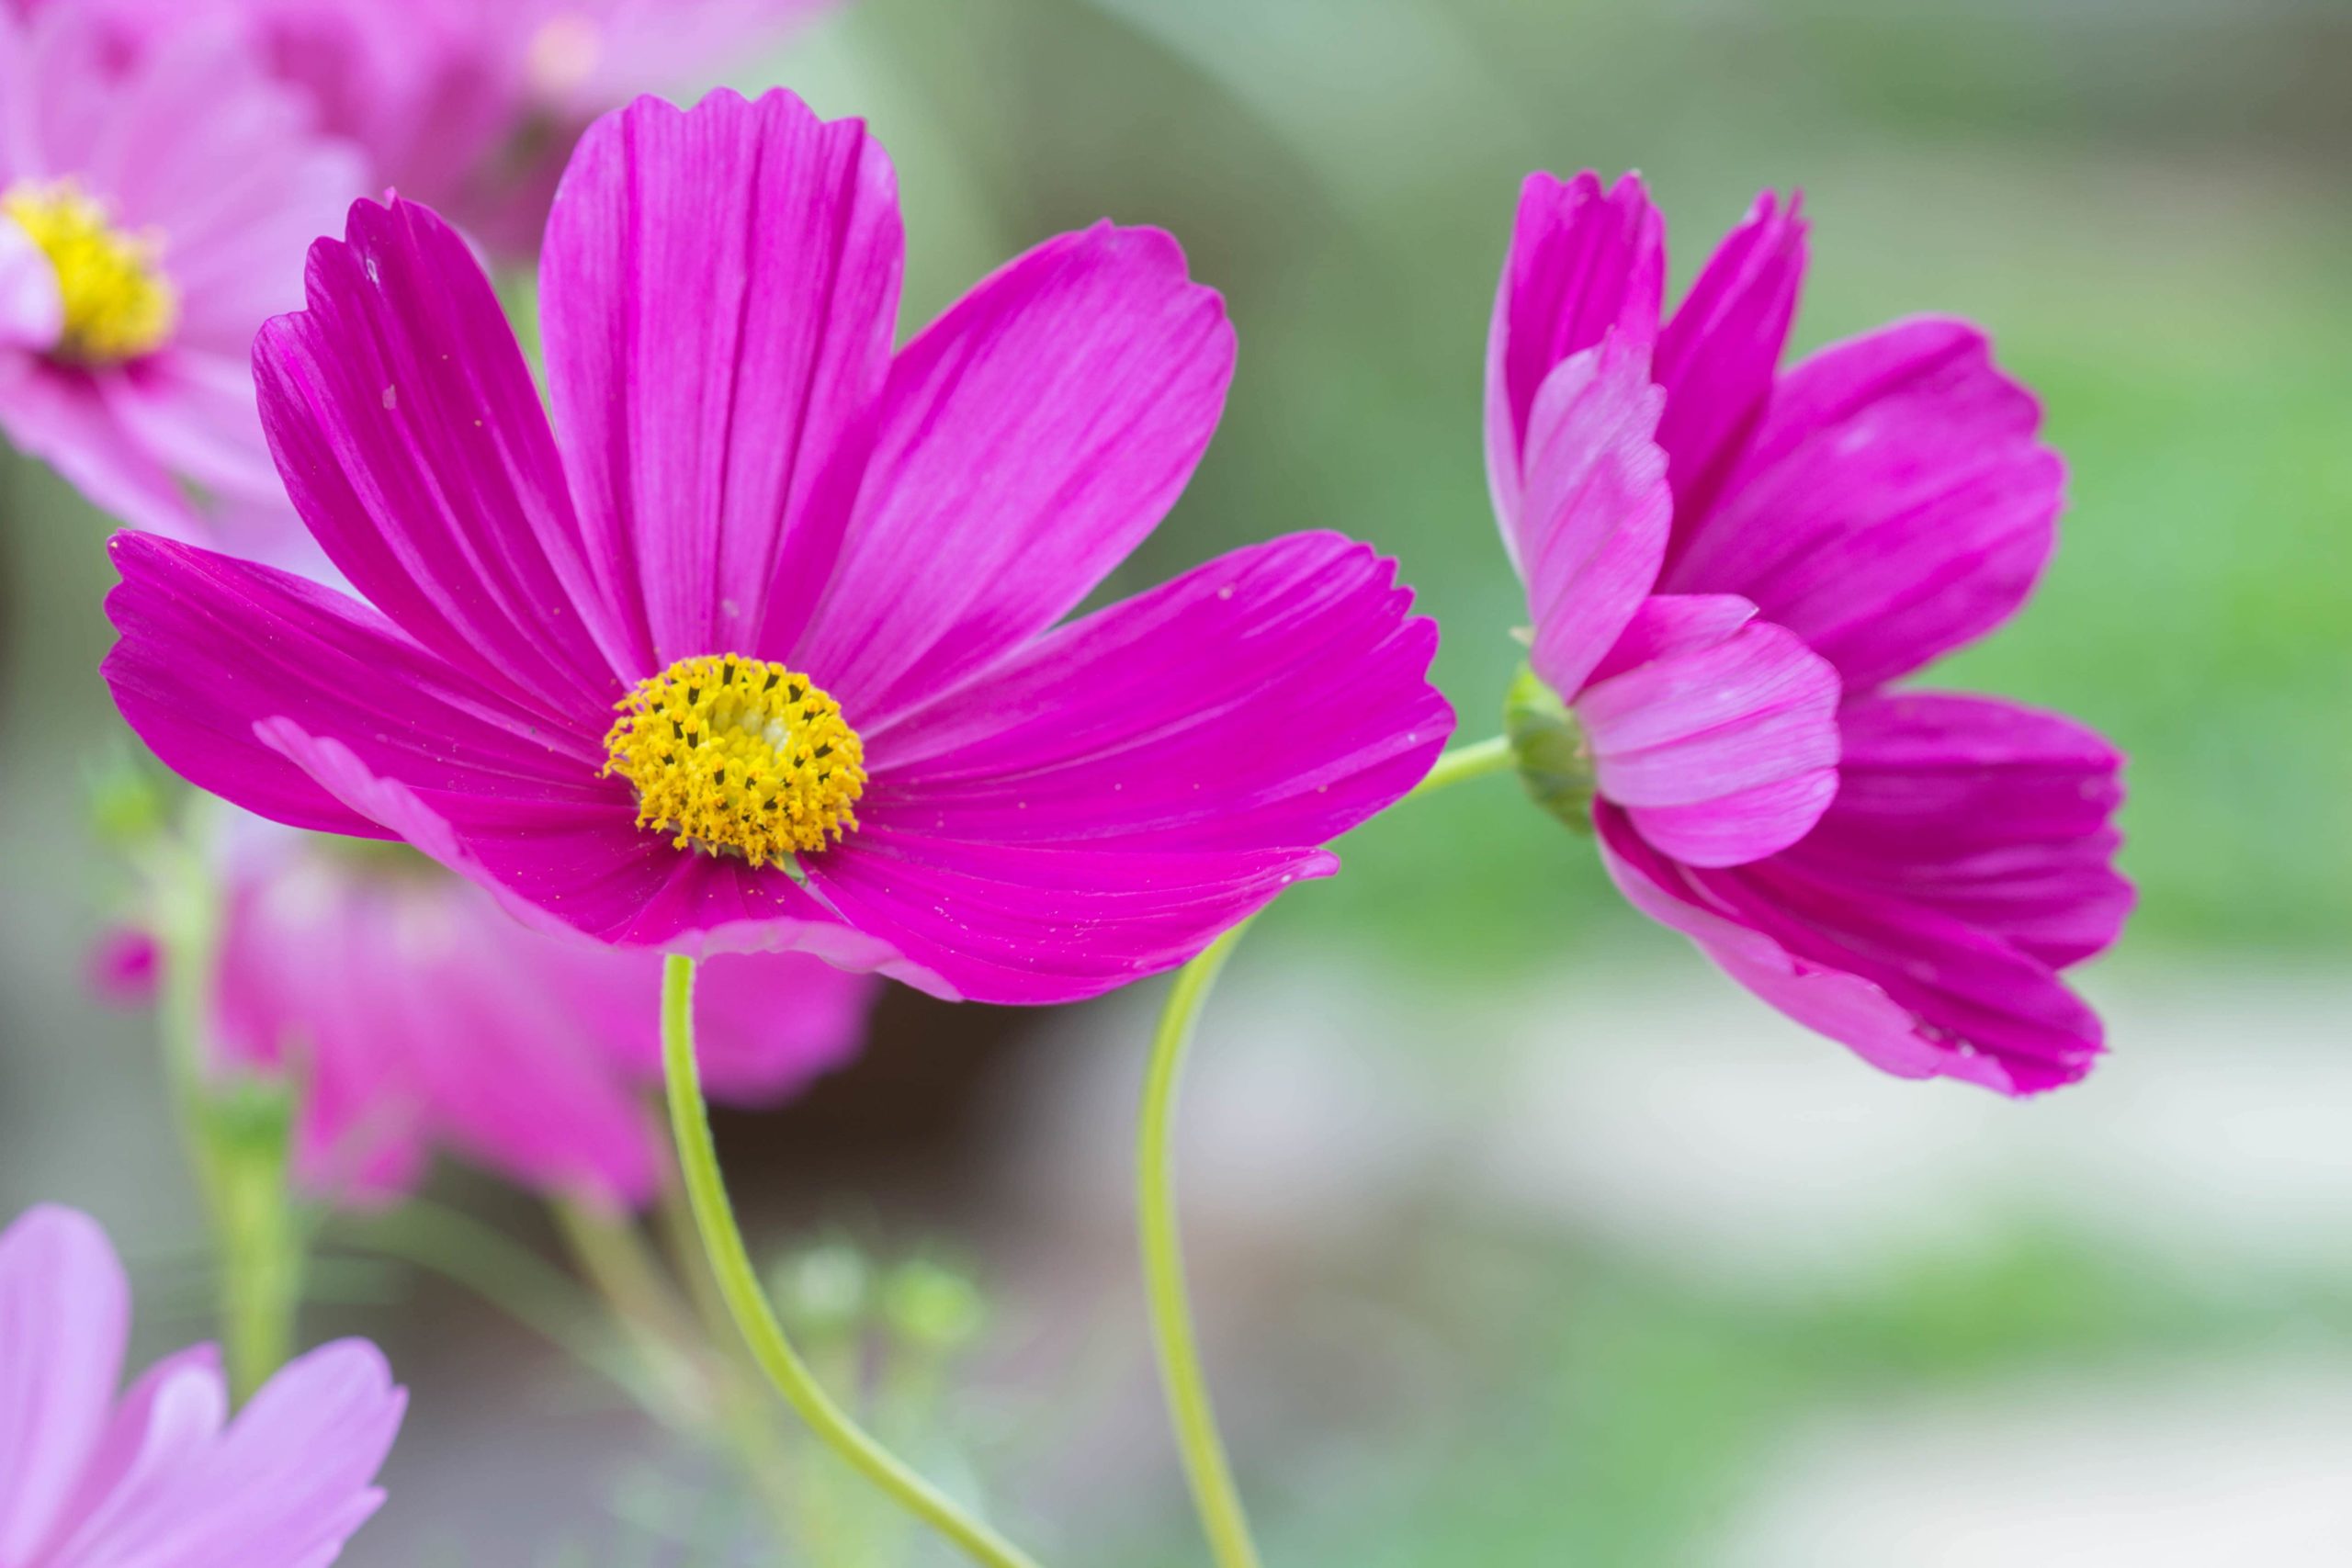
(118, 305)
(738, 756)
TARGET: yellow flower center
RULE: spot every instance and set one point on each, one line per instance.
(738, 756)
(118, 305)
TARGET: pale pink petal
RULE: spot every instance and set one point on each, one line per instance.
(1029, 439)
(285, 1485)
(1723, 751)
(719, 288)
(56, 413)
(1892, 506)
(32, 312)
(164, 1425)
(65, 1316)
(1596, 510)
(1719, 352)
(1581, 265)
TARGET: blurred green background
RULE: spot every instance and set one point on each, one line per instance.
(2147, 204)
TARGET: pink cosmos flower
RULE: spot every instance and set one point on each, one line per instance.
(152, 211)
(413, 1011)
(161, 1474)
(1880, 503)
(472, 105)
(764, 654)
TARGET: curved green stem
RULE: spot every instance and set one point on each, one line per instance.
(1214, 1495)
(739, 1284)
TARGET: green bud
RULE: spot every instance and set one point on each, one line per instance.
(1554, 763)
(934, 1306)
(127, 801)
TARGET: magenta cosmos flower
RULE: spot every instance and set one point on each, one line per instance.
(161, 1474)
(413, 1011)
(1868, 510)
(153, 207)
(471, 105)
(762, 653)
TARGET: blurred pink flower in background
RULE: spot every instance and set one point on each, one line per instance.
(411, 1011)
(1887, 502)
(472, 107)
(161, 1474)
(764, 523)
(154, 207)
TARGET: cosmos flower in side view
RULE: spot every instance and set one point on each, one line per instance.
(764, 653)
(1866, 511)
(412, 1012)
(472, 105)
(154, 210)
(160, 1473)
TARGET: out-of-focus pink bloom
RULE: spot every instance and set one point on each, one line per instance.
(472, 105)
(1866, 511)
(822, 579)
(161, 1474)
(413, 1012)
(154, 206)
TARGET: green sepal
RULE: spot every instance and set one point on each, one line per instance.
(1554, 763)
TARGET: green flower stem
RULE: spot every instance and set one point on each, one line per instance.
(1214, 1497)
(237, 1141)
(739, 1284)
(702, 1390)
(1471, 762)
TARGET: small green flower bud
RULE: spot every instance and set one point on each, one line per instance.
(934, 1306)
(1554, 763)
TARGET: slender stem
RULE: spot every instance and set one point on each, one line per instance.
(1214, 1495)
(238, 1145)
(739, 1283)
(1469, 762)
(626, 1273)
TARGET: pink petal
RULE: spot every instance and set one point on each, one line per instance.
(719, 287)
(412, 440)
(1023, 925)
(64, 1315)
(164, 1426)
(1893, 506)
(1029, 439)
(57, 413)
(1581, 264)
(1718, 353)
(1273, 698)
(1993, 814)
(211, 645)
(1913, 992)
(194, 412)
(1725, 751)
(1103, 805)
(288, 1483)
(585, 865)
(767, 1023)
(1596, 512)
(32, 312)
